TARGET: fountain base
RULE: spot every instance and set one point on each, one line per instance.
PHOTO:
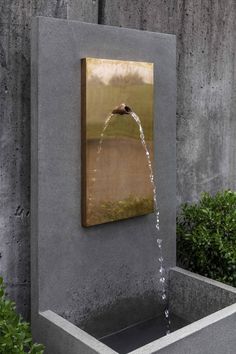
(203, 315)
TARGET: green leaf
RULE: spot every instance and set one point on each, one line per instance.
(15, 337)
(206, 236)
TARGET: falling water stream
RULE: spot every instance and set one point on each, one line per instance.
(162, 271)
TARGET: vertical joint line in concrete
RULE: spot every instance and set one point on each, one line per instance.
(101, 11)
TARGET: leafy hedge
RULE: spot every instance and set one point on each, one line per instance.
(206, 236)
(15, 337)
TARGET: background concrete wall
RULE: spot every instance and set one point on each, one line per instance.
(206, 124)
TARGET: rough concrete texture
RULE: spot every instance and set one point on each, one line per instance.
(83, 10)
(193, 296)
(15, 24)
(215, 333)
(60, 335)
(102, 278)
(206, 124)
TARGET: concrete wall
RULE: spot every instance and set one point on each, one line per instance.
(15, 23)
(103, 278)
(193, 296)
(206, 124)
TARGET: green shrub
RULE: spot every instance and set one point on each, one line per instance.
(15, 337)
(206, 236)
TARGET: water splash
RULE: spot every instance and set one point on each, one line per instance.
(162, 271)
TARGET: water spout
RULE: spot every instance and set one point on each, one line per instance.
(122, 109)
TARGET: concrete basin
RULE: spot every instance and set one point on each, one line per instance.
(203, 314)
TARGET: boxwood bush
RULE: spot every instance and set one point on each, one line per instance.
(206, 236)
(15, 337)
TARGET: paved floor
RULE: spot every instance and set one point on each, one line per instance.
(140, 334)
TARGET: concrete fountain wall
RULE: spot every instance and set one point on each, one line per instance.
(103, 278)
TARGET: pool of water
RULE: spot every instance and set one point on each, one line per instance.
(142, 333)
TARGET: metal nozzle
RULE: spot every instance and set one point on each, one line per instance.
(122, 109)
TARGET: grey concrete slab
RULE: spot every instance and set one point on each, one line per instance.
(15, 27)
(193, 296)
(206, 46)
(101, 278)
(81, 10)
(215, 333)
(15, 23)
(61, 336)
(14, 170)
